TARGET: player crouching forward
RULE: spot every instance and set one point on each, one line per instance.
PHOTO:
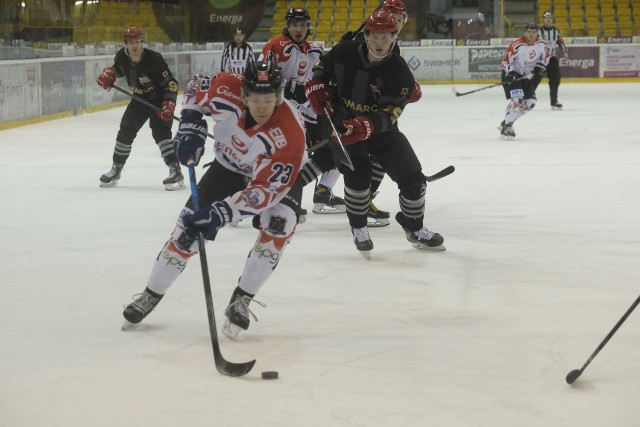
(259, 149)
(526, 56)
(373, 87)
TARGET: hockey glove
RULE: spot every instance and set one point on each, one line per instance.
(166, 111)
(358, 129)
(189, 140)
(319, 97)
(538, 73)
(295, 92)
(511, 77)
(107, 78)
(207, 220)
(416, 94)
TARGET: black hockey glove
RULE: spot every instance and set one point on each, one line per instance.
(207, 220)
(511, 77)
(538, 73)
(295, 91)
(189, 140)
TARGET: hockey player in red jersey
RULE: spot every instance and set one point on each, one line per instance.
(525, 56)
(259, 149)
(372, 88)
(296, 56)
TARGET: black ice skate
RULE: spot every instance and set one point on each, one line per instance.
(141, 307)
(556, 106)
(506, 131)
(302, 216)
(377, 217)
(237, 313)
(175, 180)
(363, 241)
(325, 202)
(110, 179)
(423, 238)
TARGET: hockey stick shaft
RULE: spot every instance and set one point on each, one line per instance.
(573, 375)
(489, 87)
(337, 148)
(223, 366)
(147, 103)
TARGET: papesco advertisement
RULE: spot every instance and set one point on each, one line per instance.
(620, 61)
(484, 62)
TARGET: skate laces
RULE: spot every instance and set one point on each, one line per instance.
(424, 234)
(144, 302)
(241, 306)
(361, 234)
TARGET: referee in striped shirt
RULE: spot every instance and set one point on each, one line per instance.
(236, 54)
(552, 38)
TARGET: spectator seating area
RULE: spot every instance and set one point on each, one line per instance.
(594, 18)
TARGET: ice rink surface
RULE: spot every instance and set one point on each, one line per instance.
(542, 237)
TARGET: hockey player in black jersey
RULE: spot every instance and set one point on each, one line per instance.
(148, 77)
(372, 87)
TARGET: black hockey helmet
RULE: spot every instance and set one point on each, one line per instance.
(547, 14)
(531, 26)
(262, 77)
(297, 15)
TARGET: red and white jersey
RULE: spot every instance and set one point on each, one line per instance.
(522, 57)
(270, 155)
(296, 63)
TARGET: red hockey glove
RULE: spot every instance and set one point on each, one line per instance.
(319, 97)
(168, 107)
(107, 78)
(416, 94)
(358, 129)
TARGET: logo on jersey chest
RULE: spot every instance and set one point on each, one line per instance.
(239, 145)
(302, 68)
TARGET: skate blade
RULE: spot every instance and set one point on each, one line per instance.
(321, 208)
(556, 108)
(126, 325)
(366, 255)
(424, 247)
(108, 184)
(303, 218)
(234, 223)
(377, 222)
(230, 330)
(175, 186)
(506, 138)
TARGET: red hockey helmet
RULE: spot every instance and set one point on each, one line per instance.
(132, 33)
(396, 7)
(381, 21)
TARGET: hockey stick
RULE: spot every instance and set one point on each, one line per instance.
(453, 89)
(573, 375)
(337, 148)
(444, 172)
(223, 366)
(147, 103)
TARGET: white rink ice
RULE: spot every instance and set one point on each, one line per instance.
(543, 242)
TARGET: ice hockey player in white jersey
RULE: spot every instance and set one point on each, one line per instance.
(259, 149)
(523, 66)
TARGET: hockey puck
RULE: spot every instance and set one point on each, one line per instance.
(270, 375)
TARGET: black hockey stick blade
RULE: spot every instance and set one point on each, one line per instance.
(337, 148)
(222, 365)
(453, 89)
(444, 172)
(573, 375)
